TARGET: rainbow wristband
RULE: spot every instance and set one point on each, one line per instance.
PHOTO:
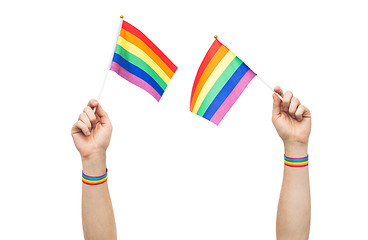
(94, 180)
(296, 162)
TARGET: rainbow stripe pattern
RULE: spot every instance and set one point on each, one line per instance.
(296, 162)
(94, 180)
(141, 62)
(220, 80)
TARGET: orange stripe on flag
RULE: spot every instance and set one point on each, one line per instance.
(133, 30)
(220, 54)
(140, 44)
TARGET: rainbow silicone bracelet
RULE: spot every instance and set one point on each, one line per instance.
(296, 162)
(94, 180)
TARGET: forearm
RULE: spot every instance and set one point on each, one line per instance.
(294, 210)
(97, 212)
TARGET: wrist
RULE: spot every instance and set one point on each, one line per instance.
(295, 149)
(94, 165)
(94, 180)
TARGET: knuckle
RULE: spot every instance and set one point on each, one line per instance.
(72, 129)
(289, 95)
(84, 128)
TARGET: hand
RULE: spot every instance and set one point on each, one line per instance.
(292, 121)
(92, 134)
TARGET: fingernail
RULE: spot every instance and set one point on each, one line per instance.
(88, 133)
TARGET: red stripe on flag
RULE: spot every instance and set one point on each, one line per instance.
(209, 55)
(130, 28)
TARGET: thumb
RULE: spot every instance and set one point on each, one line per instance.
(276, 110)
(104, 118)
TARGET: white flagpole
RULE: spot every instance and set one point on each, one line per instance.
(268, 86)
(110, 60)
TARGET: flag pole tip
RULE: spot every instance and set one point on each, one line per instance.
(121, 16)
(215, 36)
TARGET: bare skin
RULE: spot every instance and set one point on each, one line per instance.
(91, 135)
(292, 121)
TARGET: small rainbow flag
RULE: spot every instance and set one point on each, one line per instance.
(220, 80)
(141, 62)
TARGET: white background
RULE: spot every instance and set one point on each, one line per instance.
(172, 174)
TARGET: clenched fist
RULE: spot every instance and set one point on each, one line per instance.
(292, 121)
(91, 135)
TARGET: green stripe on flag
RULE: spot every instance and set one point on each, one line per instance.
(219, 84)
(133, 59)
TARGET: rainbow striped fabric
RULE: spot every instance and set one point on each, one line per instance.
(94, 180)
(220, 80)
(141, 62)
(296, 162)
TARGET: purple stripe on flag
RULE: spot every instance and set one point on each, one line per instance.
(234, 95)
(135, 80)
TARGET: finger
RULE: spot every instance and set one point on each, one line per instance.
(92, 103)
(302, 112)
(101, 114)
(276, 109)
(293, 106)
(80, 127)
(91, 115)
(279, 91)
(84, 118)
(286, 101)
(104, 118)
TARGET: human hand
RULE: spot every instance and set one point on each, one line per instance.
(91, 135)
(292, 121)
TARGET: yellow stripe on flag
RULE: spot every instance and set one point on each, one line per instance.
(220, 68)
(142, 55)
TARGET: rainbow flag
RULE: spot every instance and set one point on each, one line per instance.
(141, 62)
(220, 80)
